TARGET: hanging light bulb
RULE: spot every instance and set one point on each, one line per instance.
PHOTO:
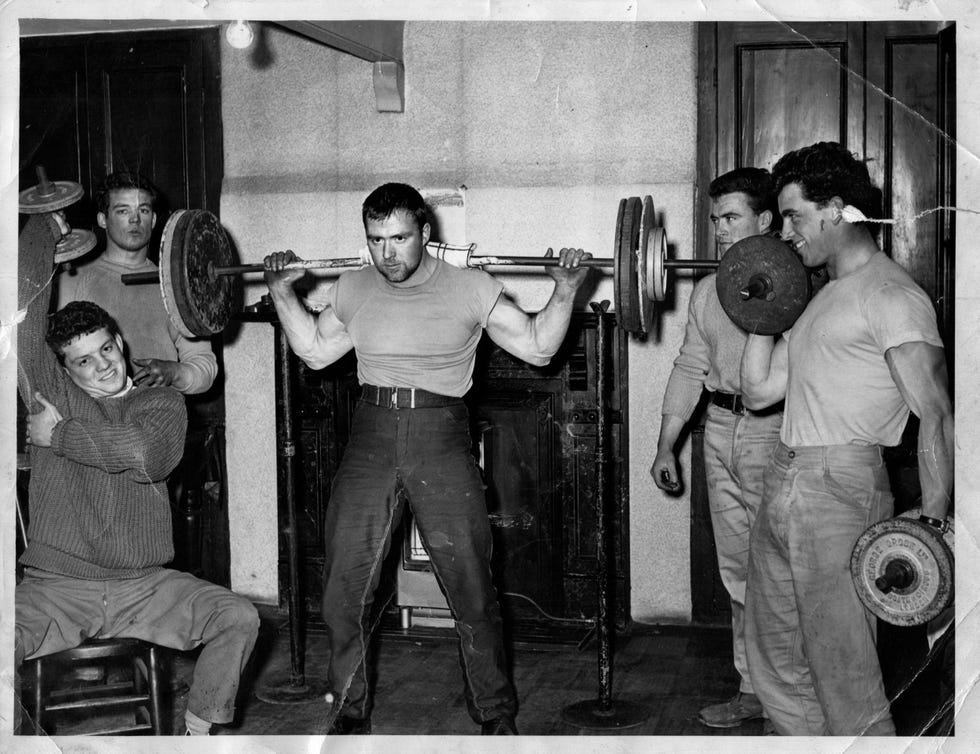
(239, 34)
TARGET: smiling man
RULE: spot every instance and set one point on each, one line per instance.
(414, 322)
(159, 354)
(99, 536)
(864, 354)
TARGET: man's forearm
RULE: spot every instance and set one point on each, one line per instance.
(304, 332)
(550, 325)
(756, 374)
(935, 461)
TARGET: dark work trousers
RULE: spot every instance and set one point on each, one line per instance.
(424, 455)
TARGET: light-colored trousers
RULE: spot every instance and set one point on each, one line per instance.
(810, 640)
(737, 450)
(169, 608)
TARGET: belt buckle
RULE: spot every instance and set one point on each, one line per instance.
(738, 408)
(392, 397)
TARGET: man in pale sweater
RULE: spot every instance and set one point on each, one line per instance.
(737, 442)
(158, 353)
(101, 448)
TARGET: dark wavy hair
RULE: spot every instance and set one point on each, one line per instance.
(122, 180)
(73, 320)
(390, 197)
(756, 183)
(825, 170)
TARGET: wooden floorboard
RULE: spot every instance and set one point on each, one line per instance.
(668, 673)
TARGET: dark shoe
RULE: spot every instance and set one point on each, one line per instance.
(350, 726)
(500, 726)
(768, 729)
(732, 713)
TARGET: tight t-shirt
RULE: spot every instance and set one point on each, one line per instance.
(840, 390)
(422, 336)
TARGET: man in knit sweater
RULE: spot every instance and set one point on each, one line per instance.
(737, 442)
(101, 449)
(158, 353)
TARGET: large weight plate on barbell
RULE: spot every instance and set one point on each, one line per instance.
(626, 291)
(198, 302)
(926, 557)
(648, 219)
(768, 257)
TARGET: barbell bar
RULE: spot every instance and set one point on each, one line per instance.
(199, 279)
(344, 264)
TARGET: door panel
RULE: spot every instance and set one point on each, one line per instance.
(775, 113)
(777, 88)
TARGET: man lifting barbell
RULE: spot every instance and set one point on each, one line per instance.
(864, 353)
(414, 322)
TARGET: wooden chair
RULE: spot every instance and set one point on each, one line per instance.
(48, 697)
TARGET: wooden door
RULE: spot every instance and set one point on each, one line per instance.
(769, 88)
(885, 91)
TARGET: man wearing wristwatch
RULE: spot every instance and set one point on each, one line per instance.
(864, 354)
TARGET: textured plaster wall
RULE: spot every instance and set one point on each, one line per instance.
(544, 127)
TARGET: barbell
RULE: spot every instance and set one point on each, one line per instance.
(902, 569)
(764, 283)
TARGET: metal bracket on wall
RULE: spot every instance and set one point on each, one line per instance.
(378, 42)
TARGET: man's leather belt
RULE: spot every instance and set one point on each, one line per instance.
(733, 403)
(405, 397)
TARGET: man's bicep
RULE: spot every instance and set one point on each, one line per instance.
(508, 325)
(919, 371)
(331, 334)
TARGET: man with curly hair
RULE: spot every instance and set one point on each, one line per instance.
(864, 354)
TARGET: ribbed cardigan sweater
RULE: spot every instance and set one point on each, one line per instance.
(99, 507)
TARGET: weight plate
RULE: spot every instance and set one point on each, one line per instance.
(198, 302)
(779, 272)
(55, 195)
(925, 561)
(619, 287)
(627, 289)
(657, 280)
(75, 244)
(644, 303)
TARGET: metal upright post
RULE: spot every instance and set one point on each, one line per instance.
(295, 687)
(603, 712)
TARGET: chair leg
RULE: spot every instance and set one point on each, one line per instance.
(156, 703)
(37, 696)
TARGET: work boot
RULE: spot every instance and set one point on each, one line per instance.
(350, 726)
(732, 713)
(499, 726)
